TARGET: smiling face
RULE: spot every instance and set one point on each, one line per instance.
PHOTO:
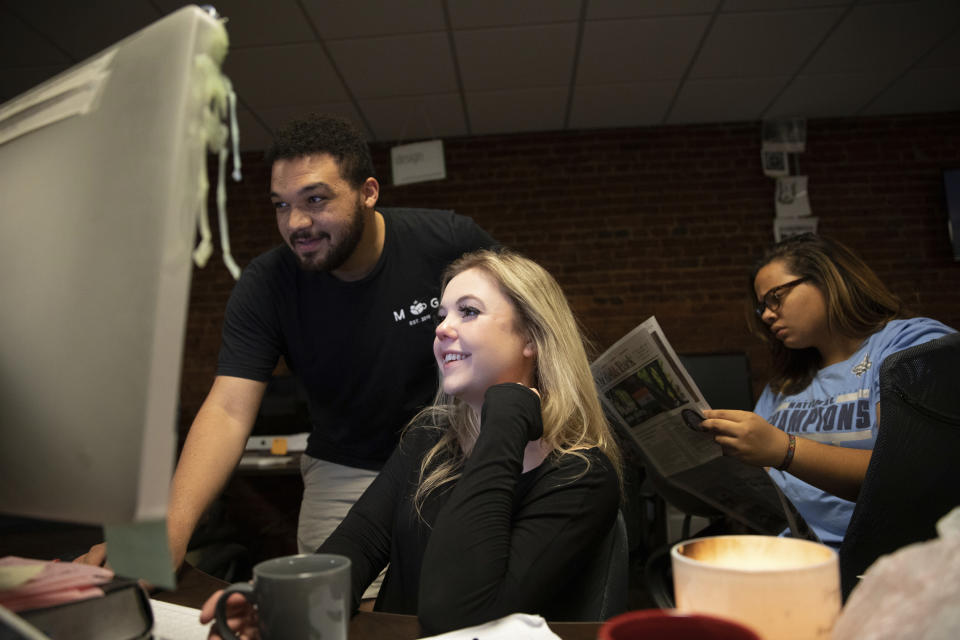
(801, 321)
(477, 343)
(319, 214)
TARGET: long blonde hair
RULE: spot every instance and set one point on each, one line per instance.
(573, 420)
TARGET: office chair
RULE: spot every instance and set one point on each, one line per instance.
(603, 584)
(653, 536)
(657, 569)
(912, 478)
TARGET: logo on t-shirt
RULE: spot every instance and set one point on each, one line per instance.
(416, 309)
(864, 366)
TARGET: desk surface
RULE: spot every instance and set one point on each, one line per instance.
(260, 463)
(194, 587)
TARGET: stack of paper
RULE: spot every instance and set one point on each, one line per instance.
(517, 626)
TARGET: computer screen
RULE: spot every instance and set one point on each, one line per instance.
(723, 379)
(102, 179)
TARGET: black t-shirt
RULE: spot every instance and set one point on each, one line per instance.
(495, 542)
(361, 349)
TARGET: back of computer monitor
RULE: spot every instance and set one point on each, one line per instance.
(102, 172)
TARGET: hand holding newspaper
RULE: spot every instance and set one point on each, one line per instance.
(650, 395)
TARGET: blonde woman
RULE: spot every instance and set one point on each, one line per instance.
(502, 489)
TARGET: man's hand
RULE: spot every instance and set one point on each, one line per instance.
(97, 555)
(241, 616)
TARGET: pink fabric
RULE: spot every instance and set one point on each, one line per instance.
(58, 582)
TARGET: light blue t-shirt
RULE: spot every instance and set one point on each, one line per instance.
(838, 407)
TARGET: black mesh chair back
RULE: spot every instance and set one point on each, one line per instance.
(914, 475)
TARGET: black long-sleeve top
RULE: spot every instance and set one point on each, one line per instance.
(496, 542)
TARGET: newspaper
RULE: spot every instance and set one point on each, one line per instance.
(649, 393)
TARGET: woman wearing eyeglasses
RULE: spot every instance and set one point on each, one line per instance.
(829, 322)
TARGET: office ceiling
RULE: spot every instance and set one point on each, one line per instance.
(413, 69)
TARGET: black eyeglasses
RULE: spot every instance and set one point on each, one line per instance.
(774, 298)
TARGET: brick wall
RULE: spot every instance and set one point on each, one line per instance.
(659, 221)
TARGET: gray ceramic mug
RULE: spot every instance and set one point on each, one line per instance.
(304, 597)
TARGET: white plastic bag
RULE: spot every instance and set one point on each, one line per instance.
(911, 593)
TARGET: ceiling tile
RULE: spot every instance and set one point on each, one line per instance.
(615, 52)
(724, 100)
(527, 110)
(621, 105)
(516, 58)
(17, 80)
(762, 44)
(277, 117)
(920, 91)
(469, 14)
(365, 18)
(890, 55)
(85, 28)
(246, 20)
(21, 45)
(890, 36)
(606, 9)
(826, 96)
(293, 74)
(396, 65)
(253, 136)
(415, 118)
(730, 6)
(945, 54)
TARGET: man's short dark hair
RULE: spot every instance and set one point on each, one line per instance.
(317, 134)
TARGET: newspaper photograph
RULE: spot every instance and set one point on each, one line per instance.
(647, 391)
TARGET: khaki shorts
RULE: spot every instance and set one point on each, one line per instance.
(329, 490)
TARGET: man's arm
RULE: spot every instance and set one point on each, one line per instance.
(214, 445)
(215, 442)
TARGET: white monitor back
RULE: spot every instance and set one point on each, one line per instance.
(102, 172)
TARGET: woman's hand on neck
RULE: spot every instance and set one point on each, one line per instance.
(534, 453)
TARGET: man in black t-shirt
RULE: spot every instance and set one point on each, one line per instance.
(348, 302)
